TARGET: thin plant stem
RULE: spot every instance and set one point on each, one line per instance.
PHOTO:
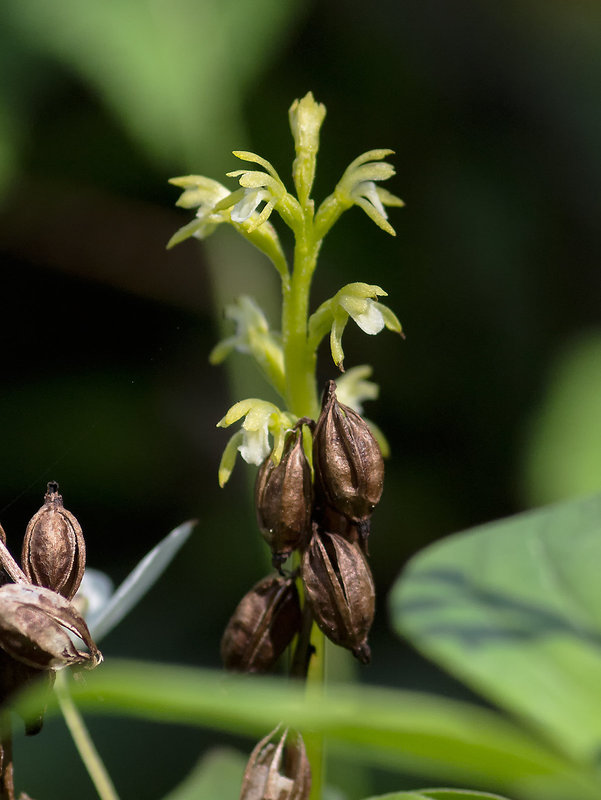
(314, 742)
(83, 742)
(7, 788)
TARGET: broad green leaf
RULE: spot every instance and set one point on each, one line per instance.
(216, 776)
(513, 608)
(402, 730)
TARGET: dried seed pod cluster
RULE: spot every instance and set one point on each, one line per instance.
(278, 768)
(37, 618)
(328, 523)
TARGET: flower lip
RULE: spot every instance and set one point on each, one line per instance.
(248, 205)
(255, 445)
(365, 313)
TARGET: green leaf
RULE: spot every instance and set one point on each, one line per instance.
(563, 458)
(439, 794)
(218, 774)
(513, 608)
(459, 794)
(174, 73)
(402, 730)
(139, 581)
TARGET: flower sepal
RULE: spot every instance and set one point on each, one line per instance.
(205, 194)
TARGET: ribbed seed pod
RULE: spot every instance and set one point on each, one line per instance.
(277, 769)
(340, 590)
(262, 626)
(348, 463)
(34, 628)
(54, 551)
(283, 499)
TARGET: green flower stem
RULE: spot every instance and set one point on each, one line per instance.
(314, 742)
(83, 742)
(299, 357)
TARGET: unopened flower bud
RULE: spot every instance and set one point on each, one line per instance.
(278, 769)
(348, 463)
(283, 499)
(340, 590)
(262, 626)
(54, 551)
(35, 624)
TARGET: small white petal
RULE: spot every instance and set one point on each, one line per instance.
(245, 207)
(368, 190)
(255, 447)
(371, 320)
(93, 594)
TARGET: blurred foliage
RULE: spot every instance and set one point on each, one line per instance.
(513, 609)
(563, 453)
(495, 114)
(403, 731)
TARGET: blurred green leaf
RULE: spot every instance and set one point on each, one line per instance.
(217, 776)
(563, 457)
(439, 794)
(513, 608)
(405, 731)
(174, 71)
(458, 794)
(139, 581)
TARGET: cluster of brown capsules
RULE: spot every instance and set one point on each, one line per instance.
(38, 616)
(327, 521)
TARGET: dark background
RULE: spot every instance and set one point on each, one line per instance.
(491, 403)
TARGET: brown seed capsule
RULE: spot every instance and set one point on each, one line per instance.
(277, 769)
(348, 463)
(340, 590)
(33, 628)
(262, 626)
(54, 551)
(283, 499)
